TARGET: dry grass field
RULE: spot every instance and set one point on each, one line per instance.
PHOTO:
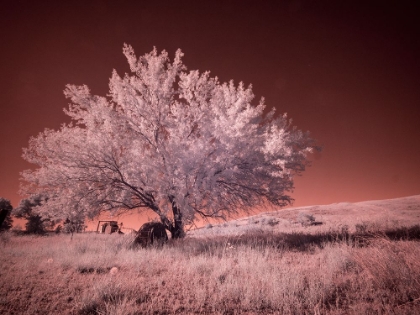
(361, 258)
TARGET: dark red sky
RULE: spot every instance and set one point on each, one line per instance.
(345, 70)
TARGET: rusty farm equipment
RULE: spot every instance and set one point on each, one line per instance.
(108, 227)
(151, 233)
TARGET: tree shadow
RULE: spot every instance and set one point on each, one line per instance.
(296, 241)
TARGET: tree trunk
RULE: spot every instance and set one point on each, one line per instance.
(177, 230)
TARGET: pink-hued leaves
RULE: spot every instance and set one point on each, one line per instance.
(180, 143)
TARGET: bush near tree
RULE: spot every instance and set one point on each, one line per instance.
(35, 224)
(5, 214)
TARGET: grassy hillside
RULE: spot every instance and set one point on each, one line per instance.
(344, 258)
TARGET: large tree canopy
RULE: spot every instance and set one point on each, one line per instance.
(179, 143)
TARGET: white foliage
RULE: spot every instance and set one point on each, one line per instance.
(165, 133)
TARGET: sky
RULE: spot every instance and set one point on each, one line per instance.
(347, 71)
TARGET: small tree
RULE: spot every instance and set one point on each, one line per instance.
(35, 224)
(179, 143)
(5, 215)
(74, 226)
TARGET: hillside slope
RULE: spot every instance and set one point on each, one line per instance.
(373, 213)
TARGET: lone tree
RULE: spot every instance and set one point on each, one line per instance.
(5, 214)
(26, 209)
(77, 226)
(179, 143)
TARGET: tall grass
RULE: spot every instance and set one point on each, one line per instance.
(253, 273)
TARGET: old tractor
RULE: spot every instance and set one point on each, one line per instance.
(108, 227)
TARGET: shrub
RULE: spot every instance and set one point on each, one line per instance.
(272, 221)
(305, 219)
